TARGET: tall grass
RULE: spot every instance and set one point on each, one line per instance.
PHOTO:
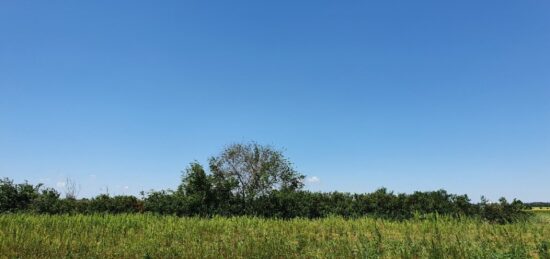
(149, 236)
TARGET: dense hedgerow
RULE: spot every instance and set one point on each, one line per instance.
(25, 197)
(254, 180)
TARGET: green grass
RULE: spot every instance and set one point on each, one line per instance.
(536, 209)
(148, 236)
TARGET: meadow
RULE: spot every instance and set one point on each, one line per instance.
(152, 236)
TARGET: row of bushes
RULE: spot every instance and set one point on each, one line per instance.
(538, 204)
(281, 204)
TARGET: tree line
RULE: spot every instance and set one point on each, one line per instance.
(538, 204)
(255, 180)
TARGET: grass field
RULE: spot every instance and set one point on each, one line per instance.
(536, 209)
(148, 236)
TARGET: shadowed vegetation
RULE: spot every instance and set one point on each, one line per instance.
(254, 180)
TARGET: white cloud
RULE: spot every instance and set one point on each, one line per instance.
(126, 187)
(61, 184)
(313, 180)
(93, 176)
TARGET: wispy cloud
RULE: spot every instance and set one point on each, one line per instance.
(313, 180)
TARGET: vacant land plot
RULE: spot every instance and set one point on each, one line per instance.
(148, 236)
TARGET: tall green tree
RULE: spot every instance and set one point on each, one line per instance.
(254, 170)
(195, 181)
(196, 188)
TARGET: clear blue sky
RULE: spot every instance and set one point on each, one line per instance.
(410, 95)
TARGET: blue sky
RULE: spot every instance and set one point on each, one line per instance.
(410, 95)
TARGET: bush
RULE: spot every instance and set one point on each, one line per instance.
(503, 212)
(117, 204)
(214, 199)
(165, 202)
(47, 202)
(17, 197)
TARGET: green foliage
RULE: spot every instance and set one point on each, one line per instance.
(166, 203)
(255, 180)
(252, 170)
(196, 188)
(503, 212)
(201, 194)
(17, 197)
(47, 202)
(151, 236)
(538, 204)
(117, 204)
